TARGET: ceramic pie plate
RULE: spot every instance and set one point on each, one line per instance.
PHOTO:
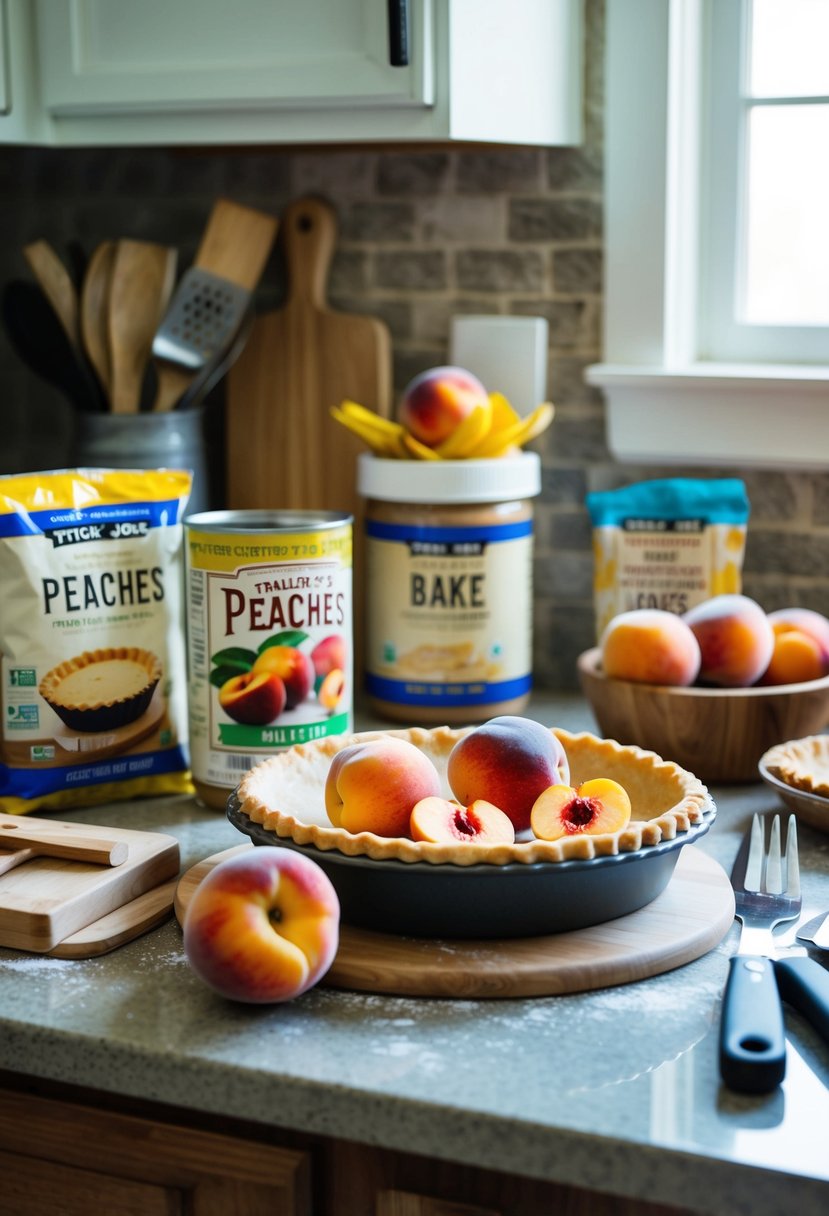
(469, 891)
(798, 772)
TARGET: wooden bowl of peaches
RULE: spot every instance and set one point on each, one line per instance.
(508, 829)
(712, 689)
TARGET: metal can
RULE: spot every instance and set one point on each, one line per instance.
(269, 638)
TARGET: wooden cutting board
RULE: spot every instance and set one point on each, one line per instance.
(283, 448)
(688, 919)
(46, 900)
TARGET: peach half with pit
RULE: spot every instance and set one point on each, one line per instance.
(294, 668)
(253, 698)
(443, 821)
(650, 646)
(507, 761)
(263, 926)
(735, 637)
(372, 786)
(435, 403)
(597, 807)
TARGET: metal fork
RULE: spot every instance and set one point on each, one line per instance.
(752, 1034)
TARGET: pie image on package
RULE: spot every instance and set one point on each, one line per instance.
(101, 690)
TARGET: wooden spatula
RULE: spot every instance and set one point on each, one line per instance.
(95, 311)
(57, 286)
(212, 297)
(142, 274)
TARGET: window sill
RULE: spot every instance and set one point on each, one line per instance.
(728, 414)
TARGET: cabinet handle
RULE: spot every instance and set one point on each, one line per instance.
(398, 33)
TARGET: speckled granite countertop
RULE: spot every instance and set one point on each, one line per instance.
(616, 1090)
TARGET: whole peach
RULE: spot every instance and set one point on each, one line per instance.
(294, 668)
(508, 761)
(253, 698)
(438, 400)
(372, 786)
(263, 926)
(735, 638)
(796, 658)
(650, 646)
(814, 624)
(331, 652)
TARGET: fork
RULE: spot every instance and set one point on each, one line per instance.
(752, 1034)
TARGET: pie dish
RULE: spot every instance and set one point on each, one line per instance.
(102, 689)
(471, 890)
(285, 795)
(798, 771)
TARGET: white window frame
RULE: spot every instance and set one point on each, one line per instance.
(664, 404)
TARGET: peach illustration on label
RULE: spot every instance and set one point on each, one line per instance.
(293, 667)
(253, 698)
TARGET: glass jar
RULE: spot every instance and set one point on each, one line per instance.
(448, 573)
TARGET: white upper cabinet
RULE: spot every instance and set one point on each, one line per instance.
(297, 71)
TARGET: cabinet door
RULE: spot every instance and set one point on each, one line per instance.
(156, 56)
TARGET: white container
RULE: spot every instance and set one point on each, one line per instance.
(449, 552)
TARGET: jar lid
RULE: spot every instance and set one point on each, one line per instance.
(499, 479)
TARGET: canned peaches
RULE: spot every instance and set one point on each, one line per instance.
(269, 625)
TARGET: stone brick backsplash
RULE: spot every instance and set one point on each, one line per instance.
(423, 234)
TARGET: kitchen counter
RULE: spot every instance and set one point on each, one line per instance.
(615, 1090)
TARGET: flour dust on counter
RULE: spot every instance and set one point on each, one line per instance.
(93, 668)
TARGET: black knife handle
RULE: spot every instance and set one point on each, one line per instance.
(398, 33)
(752, 1034)
(804, 985)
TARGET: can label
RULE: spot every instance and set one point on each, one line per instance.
(269, 644)
(450, 613)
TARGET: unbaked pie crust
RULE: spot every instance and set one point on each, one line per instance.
(102, 689)
(802, 764)
(285, 795)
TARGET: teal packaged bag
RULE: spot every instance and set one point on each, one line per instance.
(666, 544)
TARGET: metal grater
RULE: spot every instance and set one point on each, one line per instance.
(203, 316)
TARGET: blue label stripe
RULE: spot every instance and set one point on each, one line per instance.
(428, 693)
(485, 532)
(34, 783)
(32, 523)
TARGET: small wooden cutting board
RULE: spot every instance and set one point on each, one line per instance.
(47, 900)
(689, 918)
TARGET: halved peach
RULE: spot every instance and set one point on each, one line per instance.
(598, 806)
(441, 821)
(331, 689)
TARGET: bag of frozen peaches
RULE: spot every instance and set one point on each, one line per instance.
(92, 661)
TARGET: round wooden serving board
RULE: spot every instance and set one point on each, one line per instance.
(688, 919)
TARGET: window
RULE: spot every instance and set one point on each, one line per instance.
(717, 245)
(765, 292)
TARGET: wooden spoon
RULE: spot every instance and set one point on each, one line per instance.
(18, 845)
(57, 286)
(95, 311)
(142, 275)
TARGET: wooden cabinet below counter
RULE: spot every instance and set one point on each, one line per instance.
(76, 1152)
